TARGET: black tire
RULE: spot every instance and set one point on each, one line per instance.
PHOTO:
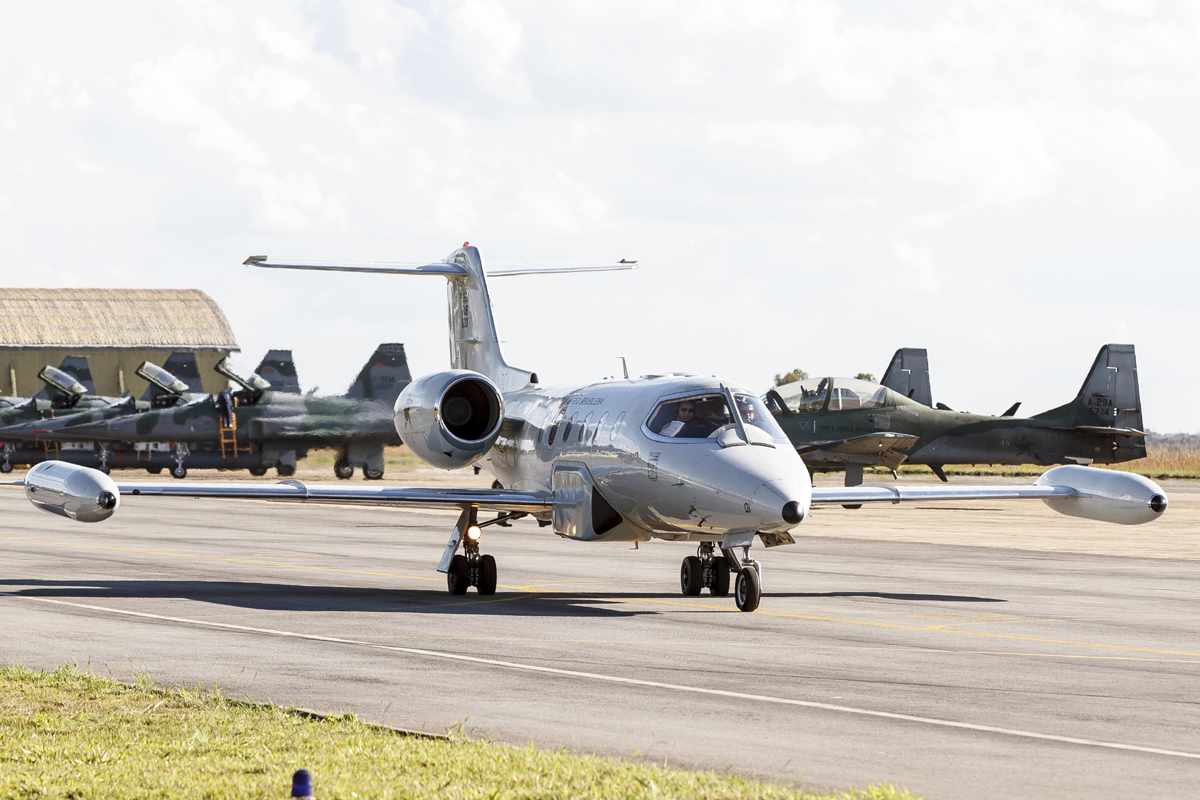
(258, 472)
(5, 467)
(372, 474)
(691, 577)
(154, 470)
(748, 591)
(285, 470)
(456, 576)
(720, 584)
(179, 471)
(343, 469)
(487, 574)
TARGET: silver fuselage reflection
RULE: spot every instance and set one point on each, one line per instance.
(736, 479)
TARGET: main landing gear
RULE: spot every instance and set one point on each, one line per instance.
(706, 570)
(470, 567)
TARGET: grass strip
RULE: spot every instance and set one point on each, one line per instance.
(69, 734)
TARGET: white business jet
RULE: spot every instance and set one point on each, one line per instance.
(681, 458)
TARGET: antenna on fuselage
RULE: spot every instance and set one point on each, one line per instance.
(624, 367)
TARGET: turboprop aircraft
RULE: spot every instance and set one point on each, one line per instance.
(844, 423)
(676, 457)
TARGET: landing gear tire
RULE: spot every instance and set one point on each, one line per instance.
(179, 471)
(487, 574)
(457, 577)
(154, 470)
(258, 472)
(372, 474)
(748, 591)
(5, 467)
(284, 470)
(343, 469)
(691, 577)
(720, 576)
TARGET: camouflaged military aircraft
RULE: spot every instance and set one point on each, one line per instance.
(31, 442)
(68, 390)
(261, 427)
(681, 458)
(842, 423)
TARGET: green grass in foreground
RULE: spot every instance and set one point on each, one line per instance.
(67, 734)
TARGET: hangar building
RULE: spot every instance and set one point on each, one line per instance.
(116, 329)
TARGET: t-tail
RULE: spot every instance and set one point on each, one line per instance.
(474, 344)
(908, 374)
(279, 370)
(384, 375)
(1109, 399)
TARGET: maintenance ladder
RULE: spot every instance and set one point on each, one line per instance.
(227, 438)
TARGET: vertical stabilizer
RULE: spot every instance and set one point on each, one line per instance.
(279, 369)
(473, 341)
(383, 377)
(1110, 396)
(908, 374)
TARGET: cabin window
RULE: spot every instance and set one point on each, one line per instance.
(566, 437)
(553, 432)
(599, 424)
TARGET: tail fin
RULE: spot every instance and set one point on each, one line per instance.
(908, 374)
(473, 341)
(1109, 397)
(279, 369)
(383, 377)
(182, 365)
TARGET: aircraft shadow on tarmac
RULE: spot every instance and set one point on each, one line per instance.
(291, 597)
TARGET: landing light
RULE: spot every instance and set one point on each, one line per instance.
(473, 533)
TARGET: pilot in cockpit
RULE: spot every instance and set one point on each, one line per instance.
(685, 414)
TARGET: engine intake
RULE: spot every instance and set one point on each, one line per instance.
(450, 419)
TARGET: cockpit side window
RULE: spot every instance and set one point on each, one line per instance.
(690, 417)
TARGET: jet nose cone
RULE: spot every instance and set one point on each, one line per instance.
(1158, 504)
(792, 513)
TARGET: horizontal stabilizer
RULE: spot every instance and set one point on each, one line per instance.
(439, 268)
(623, 264)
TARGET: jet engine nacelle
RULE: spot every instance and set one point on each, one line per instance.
(450, 419)
(1106, 495)
(69, 490)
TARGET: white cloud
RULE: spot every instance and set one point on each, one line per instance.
(1025, 164)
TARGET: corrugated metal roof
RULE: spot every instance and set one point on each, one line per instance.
(141, 318)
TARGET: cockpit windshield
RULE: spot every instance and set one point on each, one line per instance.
(834, 394)
(701, 416)
(62, 381)
(158, 376)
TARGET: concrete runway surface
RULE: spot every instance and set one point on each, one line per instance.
(912, 645)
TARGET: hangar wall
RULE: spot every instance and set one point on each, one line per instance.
(116, 329)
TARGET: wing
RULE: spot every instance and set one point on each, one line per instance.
(890, 449)
(898, 493)
(1100, 494)
(400, 497)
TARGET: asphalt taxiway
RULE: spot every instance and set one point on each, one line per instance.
(992, 650)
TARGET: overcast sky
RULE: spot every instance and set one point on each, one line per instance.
(806, 184)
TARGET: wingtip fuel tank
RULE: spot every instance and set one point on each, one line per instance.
(79, 493)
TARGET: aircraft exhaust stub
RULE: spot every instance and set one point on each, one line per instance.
(79, 493)
(450, 419)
